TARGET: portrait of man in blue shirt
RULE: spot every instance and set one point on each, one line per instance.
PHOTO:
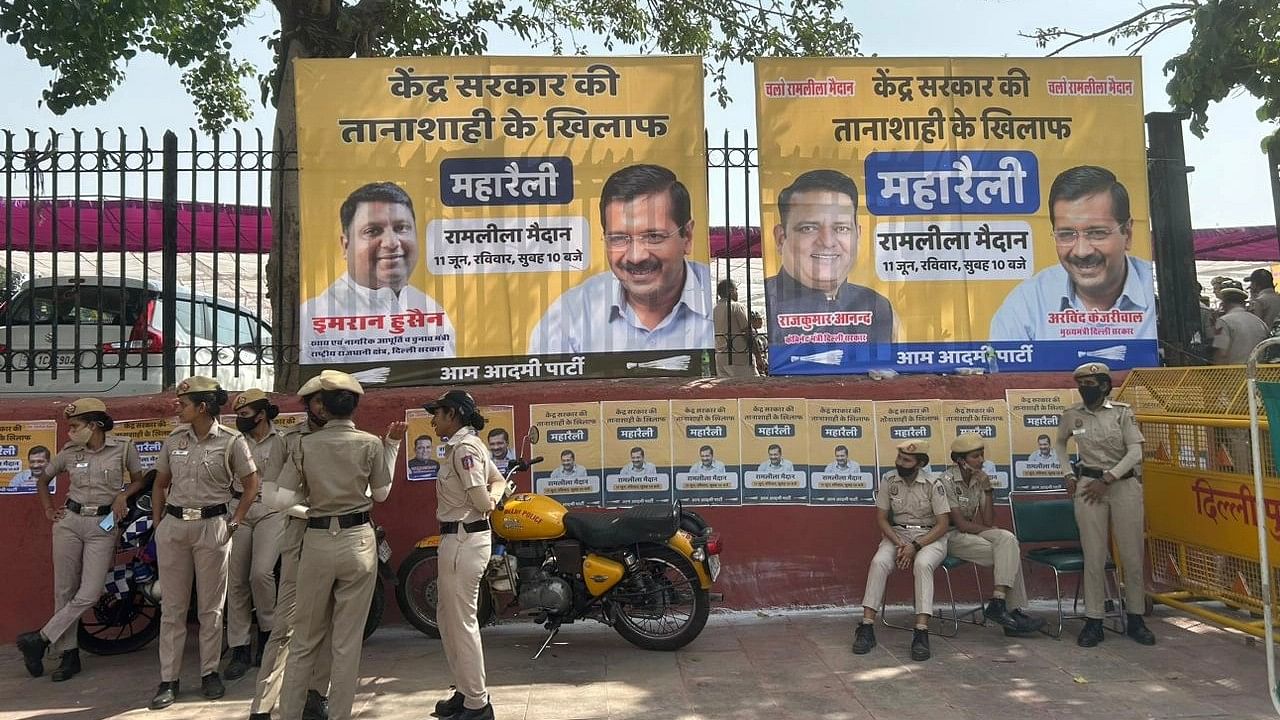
(1097, 291)
(653, 297)
(817, 241)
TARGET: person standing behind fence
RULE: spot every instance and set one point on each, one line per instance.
(251, 584)
(1238, 331)
(734, 356)
(470, 486)
(1107, 487)
(338, 471)
(1264, 303)
(99, 465)
(194, 473)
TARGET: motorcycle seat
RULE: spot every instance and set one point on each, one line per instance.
(614, 528)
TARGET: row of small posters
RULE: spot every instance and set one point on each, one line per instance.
(779, 451)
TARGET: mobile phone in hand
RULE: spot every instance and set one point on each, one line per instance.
(109, 522)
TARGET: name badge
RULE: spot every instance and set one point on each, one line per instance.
(1078, 431)
(179, 453)
(82, 465)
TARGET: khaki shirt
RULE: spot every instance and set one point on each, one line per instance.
(1266, 305)
(198, 466)
(334, 468)
(97, 476)
(964, 495)
(1236, 334)
(467, 464)
(1102, 437)
(268, 456)
(913, 502)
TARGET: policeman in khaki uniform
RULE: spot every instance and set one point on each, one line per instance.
(468, 489)
(1107, 487)
(275, 658)
(974, 536)
(338, 472)
(917, 538)
(194, 473)
(251, 586)
(99, 465)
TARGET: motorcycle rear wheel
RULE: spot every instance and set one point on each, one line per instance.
(118, 625)
(376, 607)
(663, 607)
(418, 596)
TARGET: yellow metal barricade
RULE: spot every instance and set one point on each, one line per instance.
(1199, 489)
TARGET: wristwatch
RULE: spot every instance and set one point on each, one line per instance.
(232, 525)
(915, 545)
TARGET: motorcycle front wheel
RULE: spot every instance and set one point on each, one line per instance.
(662, 606)
(117, 625)
(417, 592)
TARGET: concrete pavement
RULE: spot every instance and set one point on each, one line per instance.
(794, 665)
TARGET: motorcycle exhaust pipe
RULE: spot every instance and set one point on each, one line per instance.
(151, 589)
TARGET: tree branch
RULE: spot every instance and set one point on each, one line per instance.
(1081, 38)
(1136, 46)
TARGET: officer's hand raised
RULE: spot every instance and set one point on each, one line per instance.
(396, 430)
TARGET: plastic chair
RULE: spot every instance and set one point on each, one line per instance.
(1053, 522)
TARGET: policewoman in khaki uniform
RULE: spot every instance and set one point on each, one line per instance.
(338, 472)
(469, 487)
(975, 537)
(99, 466)
(1107, 487)
(916, 538)
(194, 473)
(251, 585)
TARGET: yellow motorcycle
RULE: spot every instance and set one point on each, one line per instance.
(645, 571)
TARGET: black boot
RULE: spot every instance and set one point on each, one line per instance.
(864, 638)
(317, 707)
(920, 646)
(997, 611)
(450, 706)
(211, 686)
(69, 667)
(1137, 629)
(241, 660)
(165, 696)
(1091, 634)
(259, 716)
(484, 713)
(263, 637)
(33, 646)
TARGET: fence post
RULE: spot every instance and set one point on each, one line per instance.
(169, 258)
(1173, 243)
(1273, 170)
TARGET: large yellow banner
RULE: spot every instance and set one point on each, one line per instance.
(499, 219)
(936, 214)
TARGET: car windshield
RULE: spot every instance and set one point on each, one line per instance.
(65, 304)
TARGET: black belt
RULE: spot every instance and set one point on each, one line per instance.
(451, 526)
(238, 494)
(349, 520)
(915, 527)
(1096, 473)
(196, 513)
(87, 510)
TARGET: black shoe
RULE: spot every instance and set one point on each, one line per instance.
(263, 638)
(997, 611)
(484, 713)
(1137, 629)
(1091, 634)
(451, 705)
(165, 696)
(241, 660)
(211, 686)
(259, 716)
(1027, 623)
(33, 646)
(864, 638)
(317, 707)
(920, 646)
(69, 667)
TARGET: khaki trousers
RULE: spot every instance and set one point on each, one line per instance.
(187, 549)
(82, 556)
(738, 364)
(271, 675)
(251, 580)
(923, 567)
(463, 559)
(336, 575)
(1121, 508)
(998, 549)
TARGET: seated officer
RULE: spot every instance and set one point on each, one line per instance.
(974, 536)
(917, 538)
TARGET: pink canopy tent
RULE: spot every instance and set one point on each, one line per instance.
(135, 226)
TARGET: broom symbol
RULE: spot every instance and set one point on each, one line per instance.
(675, 362)
(1115, 352)
(372, 376)
(830, 357)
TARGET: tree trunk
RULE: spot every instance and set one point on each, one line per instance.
(282, 265)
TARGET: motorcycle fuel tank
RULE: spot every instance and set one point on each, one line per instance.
(529, 516)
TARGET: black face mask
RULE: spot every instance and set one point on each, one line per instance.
(904, 473)
(1091, 394)
(316, 420)
(246, 424)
